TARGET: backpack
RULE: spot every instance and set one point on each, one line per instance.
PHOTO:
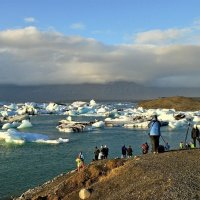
(145, 148)
(161, 149)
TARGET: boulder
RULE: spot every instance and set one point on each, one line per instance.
(84, 194)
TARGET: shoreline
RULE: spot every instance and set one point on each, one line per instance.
(141, 173)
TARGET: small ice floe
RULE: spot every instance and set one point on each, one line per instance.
(6, 113)
(98, 124)
(137, 125)
(166, 117)
(77, 127)
(12, 106)
(118, 121)
(52, 107)
(10, 125)
(68, 126)
(92, 103)
(101, 110)
(83, 110)
(113, 114)
(178, 124)
(13, 136)
(58, 141)
(27, 109)
(196, 119)
(77, 104)
(25, 124)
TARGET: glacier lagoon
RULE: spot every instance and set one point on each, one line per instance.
(30, 164)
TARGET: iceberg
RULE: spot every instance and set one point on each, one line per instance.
(99, 124)
(10, 125)
(25, 124)
(16, 137)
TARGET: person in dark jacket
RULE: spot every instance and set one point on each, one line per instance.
(154, 133)
(106, 150)
(124, 149)
(195, 134)
(96, 153)
(129, 151)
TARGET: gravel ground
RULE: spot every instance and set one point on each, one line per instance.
(170, 175)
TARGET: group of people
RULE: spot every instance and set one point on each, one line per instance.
(154, 134)
(195, 136)
(101, 153)
(127, 151)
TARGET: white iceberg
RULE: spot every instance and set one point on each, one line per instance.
(13, 136)
(25, 124)
(98, 124)
(10, 125)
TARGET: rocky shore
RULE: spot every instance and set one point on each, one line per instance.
(168, 175)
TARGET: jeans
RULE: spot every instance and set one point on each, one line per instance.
(154, 142)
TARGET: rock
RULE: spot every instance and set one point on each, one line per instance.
(84, 194)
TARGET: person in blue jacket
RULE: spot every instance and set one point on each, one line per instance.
(154, 133)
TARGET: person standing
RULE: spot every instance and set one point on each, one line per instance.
(124, 149)
(96, 153)
(79, 163)
(106, 150)
(82, 158)
(195, 134)
(155, 133)
(145, 148)
(101, 153)
(129, 151)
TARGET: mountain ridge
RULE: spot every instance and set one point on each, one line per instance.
(121, 91)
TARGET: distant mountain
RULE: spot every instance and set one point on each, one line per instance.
(122, 91)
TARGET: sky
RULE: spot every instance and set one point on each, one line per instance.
(150, 42)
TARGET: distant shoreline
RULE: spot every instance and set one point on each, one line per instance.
(179, 103)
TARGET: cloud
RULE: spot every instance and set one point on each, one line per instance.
(77, 26)
(29, 19)
(161, 36)
(29, 56)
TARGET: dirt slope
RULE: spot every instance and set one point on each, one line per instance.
(169, 175)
